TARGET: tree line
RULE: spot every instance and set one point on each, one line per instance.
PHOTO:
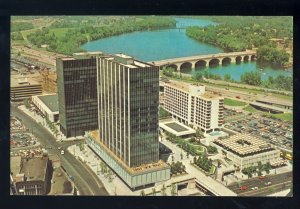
(77, 36)
(253, 78)
(19, 26)
(241, 33)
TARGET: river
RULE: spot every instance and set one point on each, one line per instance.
(172, 43)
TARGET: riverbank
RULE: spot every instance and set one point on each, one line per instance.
(68, 39)
(285, 95)
(272, 36)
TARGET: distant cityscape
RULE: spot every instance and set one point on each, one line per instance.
(101, 123)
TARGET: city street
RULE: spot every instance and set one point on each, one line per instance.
(85, 180)
(278, 182)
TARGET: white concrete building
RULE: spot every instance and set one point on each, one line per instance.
(192, 105)
(48, 105)
(246, 150)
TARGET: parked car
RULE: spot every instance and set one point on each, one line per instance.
(243, 187)
(268, 183)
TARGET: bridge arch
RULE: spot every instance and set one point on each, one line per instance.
(238, 59)
(214, 62)
(200, 64)
(246, 58)
(173, 66)
(226, 61)
(186, 67)
(253, 57)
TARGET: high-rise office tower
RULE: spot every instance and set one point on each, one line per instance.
(128, 100)
(77, 93)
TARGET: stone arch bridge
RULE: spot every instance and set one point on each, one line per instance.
(184, 64)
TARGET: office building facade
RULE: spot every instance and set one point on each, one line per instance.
(192, 105)
(128, 102)
(77, 93)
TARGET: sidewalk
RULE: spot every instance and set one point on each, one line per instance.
(208, 182)
(280, 194)
(117, 186)
(41, 120)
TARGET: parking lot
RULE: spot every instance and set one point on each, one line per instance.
(22, 142)
(274, 131)
(16, 125)
(18, 140)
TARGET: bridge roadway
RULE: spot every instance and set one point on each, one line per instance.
(209, 57)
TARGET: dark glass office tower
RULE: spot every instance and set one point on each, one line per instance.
(77, 93)
(128, 109)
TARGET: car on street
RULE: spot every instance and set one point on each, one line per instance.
(58, 147)
(254, 188)
(268, 183)
(62, 152)
(262, 177)
(243, 187)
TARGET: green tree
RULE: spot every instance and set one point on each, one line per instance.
(251, 78)
(198, 76)
(267, 167)
(227, 77)
(163, 190)
(110, 175)
(153, 191)
(27, 103)
(142, 193)
(169, 72)
(173, 189)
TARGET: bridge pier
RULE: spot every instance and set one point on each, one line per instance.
(193, 66)
(204, 60)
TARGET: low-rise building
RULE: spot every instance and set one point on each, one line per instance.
(245, 150)
(135, 177)
(30, 175)
(47, 105)
(192, 105)
(22, 87)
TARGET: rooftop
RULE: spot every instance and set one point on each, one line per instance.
(128, 61)
(244, 144)
(15, 165)
(124, 56)
(194, 89)
(34, 168)
(81, 55)
(51, 101)
(22, 80)
(134, 170)
(176, 128)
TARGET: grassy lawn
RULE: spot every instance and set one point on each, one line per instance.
(250, 109)
(282, 116)
(232, 102)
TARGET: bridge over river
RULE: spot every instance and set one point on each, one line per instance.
(182, 64)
